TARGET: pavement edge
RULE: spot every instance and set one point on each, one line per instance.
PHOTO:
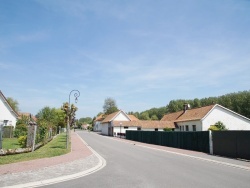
(101, 164)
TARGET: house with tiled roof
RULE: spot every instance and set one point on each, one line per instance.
(97, 123)
(8, 116)
(200, 119)
(118, 123)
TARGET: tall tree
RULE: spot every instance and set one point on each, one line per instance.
(109, 106)
(13, 103)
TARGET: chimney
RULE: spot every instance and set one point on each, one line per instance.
(185, 107)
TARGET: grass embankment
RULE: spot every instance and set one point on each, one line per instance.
(55, 147)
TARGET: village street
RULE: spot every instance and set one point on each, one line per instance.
(130, 165)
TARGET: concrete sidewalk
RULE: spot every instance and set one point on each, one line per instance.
(81, 161)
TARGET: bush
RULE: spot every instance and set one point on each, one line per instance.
(20, 130)
(167, 129)
(22, 140)
(213, 128)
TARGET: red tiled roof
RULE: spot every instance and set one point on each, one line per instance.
(189, 115)
(100, 117)
(20, 114)
(133, 118)
(110, 117)
(145, 124)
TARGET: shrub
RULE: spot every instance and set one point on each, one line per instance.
(22, 140)
(167, 129)
(20, 130)
(213, 128)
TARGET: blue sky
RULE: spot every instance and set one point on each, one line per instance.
(142, 53)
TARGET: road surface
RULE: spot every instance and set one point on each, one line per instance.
(130, 165)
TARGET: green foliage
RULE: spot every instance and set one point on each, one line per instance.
(86, 120)
(238, 102)
(20, 130)
(54, 148)
(154, 117)
(23, 120)
(167, 129)
(218, 126)
(90, 128)
(109, 106)
(13, 103)
(144, 116)
(213, 128)
(42, 132)
(22, 140)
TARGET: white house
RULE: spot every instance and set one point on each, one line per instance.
(200, 119)
(97, 127)
(116, 124)
(8, 116)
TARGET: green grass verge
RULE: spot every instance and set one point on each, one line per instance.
(54, 148)
(10, 143)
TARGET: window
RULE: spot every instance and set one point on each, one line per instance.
(125, 127)
(187, 128)
(138, 128)
(194, 127)
(156, 129)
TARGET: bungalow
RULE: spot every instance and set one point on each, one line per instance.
(8, 116)
(200, 119)
(118, 123)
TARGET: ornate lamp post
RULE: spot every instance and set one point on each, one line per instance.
(76, 95)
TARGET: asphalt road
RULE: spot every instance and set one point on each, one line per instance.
(130, 165)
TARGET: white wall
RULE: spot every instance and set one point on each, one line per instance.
(190, 125)
(150, 129)
(117, 129)
(98, 126)
(105, 129)
(121, 117)
(231, 120)
(6, 113)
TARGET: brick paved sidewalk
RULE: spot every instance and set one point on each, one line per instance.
(78, 151)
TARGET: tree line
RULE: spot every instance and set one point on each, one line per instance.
(238, 102)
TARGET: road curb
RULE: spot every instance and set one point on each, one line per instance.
(101, 164)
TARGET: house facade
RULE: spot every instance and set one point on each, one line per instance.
(97, 127)
(8, 116)
(200, 119)
(118, 123)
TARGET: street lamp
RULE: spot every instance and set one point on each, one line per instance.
(120, 129)
(76, 94)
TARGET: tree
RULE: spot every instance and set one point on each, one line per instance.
(87, 120)
(70, 113)
(109, 106)
(13, 103)
(154, 117)
(144, 116)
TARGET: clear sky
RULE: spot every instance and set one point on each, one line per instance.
(142, 53)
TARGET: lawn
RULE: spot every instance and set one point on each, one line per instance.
(10, 143)
(54, 148)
